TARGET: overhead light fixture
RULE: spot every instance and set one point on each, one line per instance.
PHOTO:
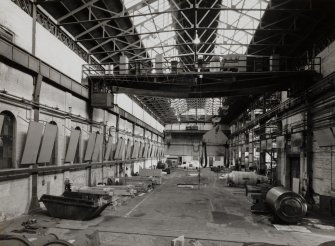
(196, 40)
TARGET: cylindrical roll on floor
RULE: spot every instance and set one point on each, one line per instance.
(14, 240)
(288, 206)
(58, 242)
(41, 241)
(245, 178)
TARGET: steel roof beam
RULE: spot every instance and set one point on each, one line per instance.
(235, 27)
(181, 44)
(131, 34)
(135, 48)
(213, 32)
(73, 16)
(139, 5)
(237, 24)
(184, 30)
(181, 26)
(111, 39)
(121, 16)
(233, 40)
(177, 7)
(136, 7)
(245, 14)
(72, 12)
(207, 12)
(91, 29)
(115, 44)
(254, 9)
(91, 4)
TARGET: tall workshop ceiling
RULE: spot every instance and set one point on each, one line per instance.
(143, 29)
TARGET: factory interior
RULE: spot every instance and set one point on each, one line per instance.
(167, 122)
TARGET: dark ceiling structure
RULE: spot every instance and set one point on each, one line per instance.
(194, 33)
(294, 28)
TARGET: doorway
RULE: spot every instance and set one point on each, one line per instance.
(180, 160)
(294, 169)
(211, 161)
(7, 140)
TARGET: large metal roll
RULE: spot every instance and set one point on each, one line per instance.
(14, 240)
(288, 206)
(41, 241)
(245, 178)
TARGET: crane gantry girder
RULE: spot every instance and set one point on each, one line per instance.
(202, 85)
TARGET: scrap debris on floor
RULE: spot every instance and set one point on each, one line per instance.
(215, 214)
(292, 228)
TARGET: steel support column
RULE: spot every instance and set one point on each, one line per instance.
(33, 36)
(309, 154)
(34, 204)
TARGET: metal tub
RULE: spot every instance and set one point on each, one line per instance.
(72, 208)
(88, 196)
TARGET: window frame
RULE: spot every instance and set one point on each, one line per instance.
(54, 155)
(78, 154)
(13, 118)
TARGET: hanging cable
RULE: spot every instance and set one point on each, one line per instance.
(204, 155)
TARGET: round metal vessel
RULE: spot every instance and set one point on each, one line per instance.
(14, 240)
(288, 206)
(41, 241)
(245, 178)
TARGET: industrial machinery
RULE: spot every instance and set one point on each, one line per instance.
(234, 63)
(214, 143)
(287, 206)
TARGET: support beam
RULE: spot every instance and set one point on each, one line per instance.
(121, 16)
(132, 34)
(34, 204)
(224, 84)
(72, 12)
(33, 36)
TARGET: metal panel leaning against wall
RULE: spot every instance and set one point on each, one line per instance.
(109, 149)
(324, 137)
(34, 138)
(149, 150)
(135, 150)
(141, 149)
(118, 148)
(123, 149)
(48, 143)
(90, 146)
(72, 146)
(146, 149)
(97, 148)
(2, 117)
(129, 149)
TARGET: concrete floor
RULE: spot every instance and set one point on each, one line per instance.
(213, 215)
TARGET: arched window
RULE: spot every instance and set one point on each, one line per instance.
(77, 157)
(53, 160)
(7, 140)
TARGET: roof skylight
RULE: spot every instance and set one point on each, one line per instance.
(156, 30)
(237, 25)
